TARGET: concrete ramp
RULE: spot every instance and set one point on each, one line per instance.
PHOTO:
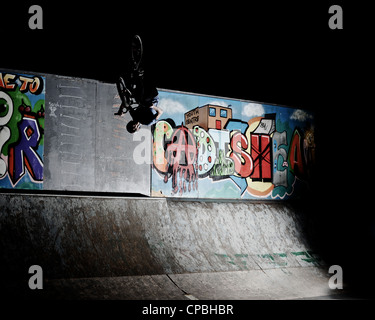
(150, 248)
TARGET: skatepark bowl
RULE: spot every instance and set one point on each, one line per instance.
(92, 247)
(103, 214)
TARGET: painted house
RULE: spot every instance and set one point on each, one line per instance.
(208, 116)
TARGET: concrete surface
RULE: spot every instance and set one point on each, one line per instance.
(142, 248)
(294, 283)
(87, 148)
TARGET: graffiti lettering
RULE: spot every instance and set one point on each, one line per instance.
(261, 150)
(223, 166)
(206, 151)
(279, 159)
(163, 132)
(243, 163)
(7, 107)
(254, 155)
(21, 130)
(261, 153)
(192, 117)
(33, 85)
(182, 160)
(23, 154)
(295, 155)
(6, 81)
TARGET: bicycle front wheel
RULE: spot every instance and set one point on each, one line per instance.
(137, 52)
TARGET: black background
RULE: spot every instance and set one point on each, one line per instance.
(269, 51)
(280, 52)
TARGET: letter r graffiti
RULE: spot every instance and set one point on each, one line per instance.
(23, 153)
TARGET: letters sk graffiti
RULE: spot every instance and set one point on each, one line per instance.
(22, 101)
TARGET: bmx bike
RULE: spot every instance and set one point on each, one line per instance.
(126, 93)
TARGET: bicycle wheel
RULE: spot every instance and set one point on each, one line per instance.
(137, 52)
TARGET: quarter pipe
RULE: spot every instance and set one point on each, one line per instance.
(157, 248)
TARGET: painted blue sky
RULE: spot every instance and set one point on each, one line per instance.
(175, 104)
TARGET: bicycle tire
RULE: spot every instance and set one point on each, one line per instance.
(137, 52)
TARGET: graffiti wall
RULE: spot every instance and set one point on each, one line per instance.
(22, 113)
(202, 147)
(208, 147)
